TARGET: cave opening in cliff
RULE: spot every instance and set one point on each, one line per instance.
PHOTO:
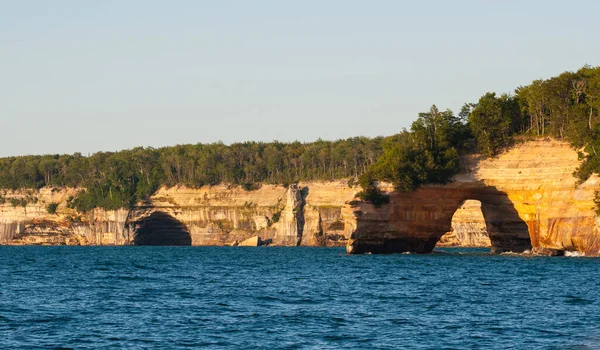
(469, 227)
(161, 229)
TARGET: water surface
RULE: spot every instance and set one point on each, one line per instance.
(234, 297)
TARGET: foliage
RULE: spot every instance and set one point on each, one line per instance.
(51, 208)
(16, 202)
(121, 179)
(251, 186)
(371, 192)
(427, 154)
(276, 216)
(352, 182)
(563, 107)
(493, 120)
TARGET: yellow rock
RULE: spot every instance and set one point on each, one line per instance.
(529, 199)
(251, 242)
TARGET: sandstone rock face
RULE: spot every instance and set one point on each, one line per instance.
(468, 228)
(298, 215)
(328, 213)
(312, 213)
(251, 242)
(529, 199)
(291, 222)
(33, 224)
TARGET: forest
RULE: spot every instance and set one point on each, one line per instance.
(115, 180)
(563, 107)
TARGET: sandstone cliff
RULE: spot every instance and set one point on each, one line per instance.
(314, 214)
(24, 219)
(529, 199)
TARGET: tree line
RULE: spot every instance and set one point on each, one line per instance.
(563, 107)
(120, 179)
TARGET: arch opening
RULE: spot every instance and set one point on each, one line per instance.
(160, 228)
(468, 227)
(494, 215)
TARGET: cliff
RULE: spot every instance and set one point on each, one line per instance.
(25, 219)
(529, 199)
(313, 214)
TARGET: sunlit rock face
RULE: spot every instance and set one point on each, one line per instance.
(529, 199)
(469, 228)
(33, 224)
(310, 214)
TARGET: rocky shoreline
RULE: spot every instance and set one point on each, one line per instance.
(526, 199)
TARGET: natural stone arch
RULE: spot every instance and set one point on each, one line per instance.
(415, 221)
(160, 228)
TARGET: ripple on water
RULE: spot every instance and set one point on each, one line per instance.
(166, 297)
(576, 300)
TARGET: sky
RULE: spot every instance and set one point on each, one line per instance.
(89, 76)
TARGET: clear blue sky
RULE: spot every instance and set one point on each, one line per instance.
(86, 76)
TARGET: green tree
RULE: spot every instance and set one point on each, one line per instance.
(51, 208)
(426, 154)
(491, 122)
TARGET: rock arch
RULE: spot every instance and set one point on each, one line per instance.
(529, 198)
(160, 228)
(415, 221)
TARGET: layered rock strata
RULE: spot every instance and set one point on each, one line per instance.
(26, 219)
(313, 214)
(529, 199)
(468, 228)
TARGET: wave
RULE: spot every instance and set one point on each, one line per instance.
(575, 254)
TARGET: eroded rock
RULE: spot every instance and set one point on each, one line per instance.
(529, 199)
(217, 215)
(469, 228)
(251, 242)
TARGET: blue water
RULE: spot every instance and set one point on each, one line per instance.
(233, 297)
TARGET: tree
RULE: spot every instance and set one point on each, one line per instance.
(51, 208)
(533, 103)
(426, 154)
(491, 121)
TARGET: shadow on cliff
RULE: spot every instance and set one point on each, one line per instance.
(415, 221)
(507, 230)
(160, 229)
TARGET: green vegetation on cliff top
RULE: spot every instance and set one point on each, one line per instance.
(563, 107)
(121, 179)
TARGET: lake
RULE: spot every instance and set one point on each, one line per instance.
(282, 297)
